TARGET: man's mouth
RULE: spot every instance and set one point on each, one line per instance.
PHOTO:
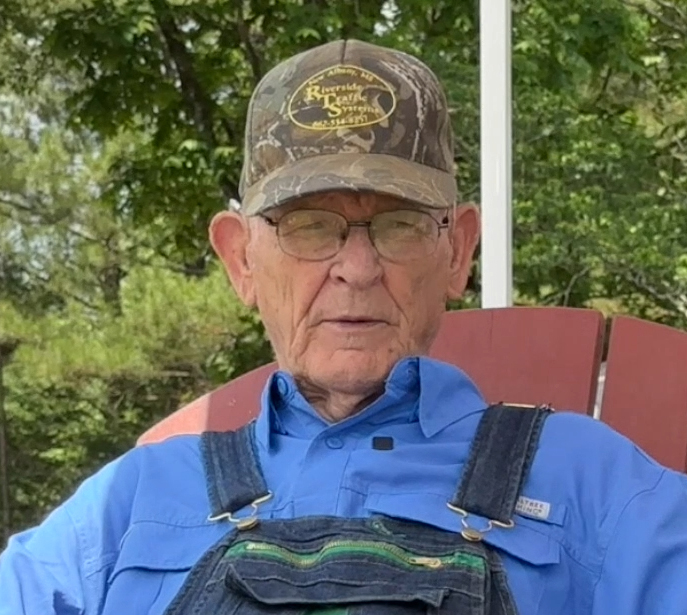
(347, 322)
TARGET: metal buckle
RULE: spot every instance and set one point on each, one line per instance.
(531, 406)
(244, 523)
(472, 534)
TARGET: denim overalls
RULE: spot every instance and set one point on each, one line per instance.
(371, 566)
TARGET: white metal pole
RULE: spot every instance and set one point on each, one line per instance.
(495, 153)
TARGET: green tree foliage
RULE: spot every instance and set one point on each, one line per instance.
(121, 135)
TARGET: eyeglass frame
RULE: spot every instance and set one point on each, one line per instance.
(440, 225)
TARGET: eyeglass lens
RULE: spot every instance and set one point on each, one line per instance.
(399, 235)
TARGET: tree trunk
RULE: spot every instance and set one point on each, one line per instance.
(7, 348)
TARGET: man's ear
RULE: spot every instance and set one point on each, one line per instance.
(465, 233)
(230, 238)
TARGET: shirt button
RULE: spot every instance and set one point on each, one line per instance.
(334, 442)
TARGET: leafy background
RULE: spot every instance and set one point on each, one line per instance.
(120, 135)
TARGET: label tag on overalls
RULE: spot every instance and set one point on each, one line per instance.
(533, 508)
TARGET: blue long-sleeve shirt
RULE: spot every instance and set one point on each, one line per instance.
(605, 531)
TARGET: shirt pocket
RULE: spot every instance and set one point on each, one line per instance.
(152, 564)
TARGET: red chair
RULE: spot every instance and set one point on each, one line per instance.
(526, 355)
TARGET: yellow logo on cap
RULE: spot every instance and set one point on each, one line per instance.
(342, 96)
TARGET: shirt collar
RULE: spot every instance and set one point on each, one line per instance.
(431, 392)
(447, 395)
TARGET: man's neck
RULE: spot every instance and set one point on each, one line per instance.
(335, 406)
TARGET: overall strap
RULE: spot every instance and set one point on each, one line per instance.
(232, 470)
(500, 458)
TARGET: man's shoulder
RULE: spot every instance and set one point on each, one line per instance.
(583, 443)
(162, 482)
(179, 453)
(134, 505)
(589, 472)
(585, 467)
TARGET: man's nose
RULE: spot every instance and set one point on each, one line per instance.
(358, 262)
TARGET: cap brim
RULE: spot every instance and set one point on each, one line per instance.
(379, 173)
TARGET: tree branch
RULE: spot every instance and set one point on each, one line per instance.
(197, 101)
(562, 297)
(667, 6)
(65, 293)
(199, 105)
(231, 134)
(18, 206)
(247, 44)
(680, 29)
(571, 284)
(674, 302)
(604, 86)
(32, 210)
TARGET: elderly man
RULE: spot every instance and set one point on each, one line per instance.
(374, 481)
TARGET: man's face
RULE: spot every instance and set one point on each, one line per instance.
(342, 323)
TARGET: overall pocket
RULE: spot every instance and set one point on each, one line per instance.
(527, 551)
(354, 576)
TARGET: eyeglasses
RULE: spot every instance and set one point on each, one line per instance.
(401, 235)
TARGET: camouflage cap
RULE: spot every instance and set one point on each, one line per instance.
(348, 115)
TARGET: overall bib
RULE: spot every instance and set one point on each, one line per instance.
(363, 566)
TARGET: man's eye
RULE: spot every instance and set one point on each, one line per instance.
(404, 226)
(306, 227)
(311, 226)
